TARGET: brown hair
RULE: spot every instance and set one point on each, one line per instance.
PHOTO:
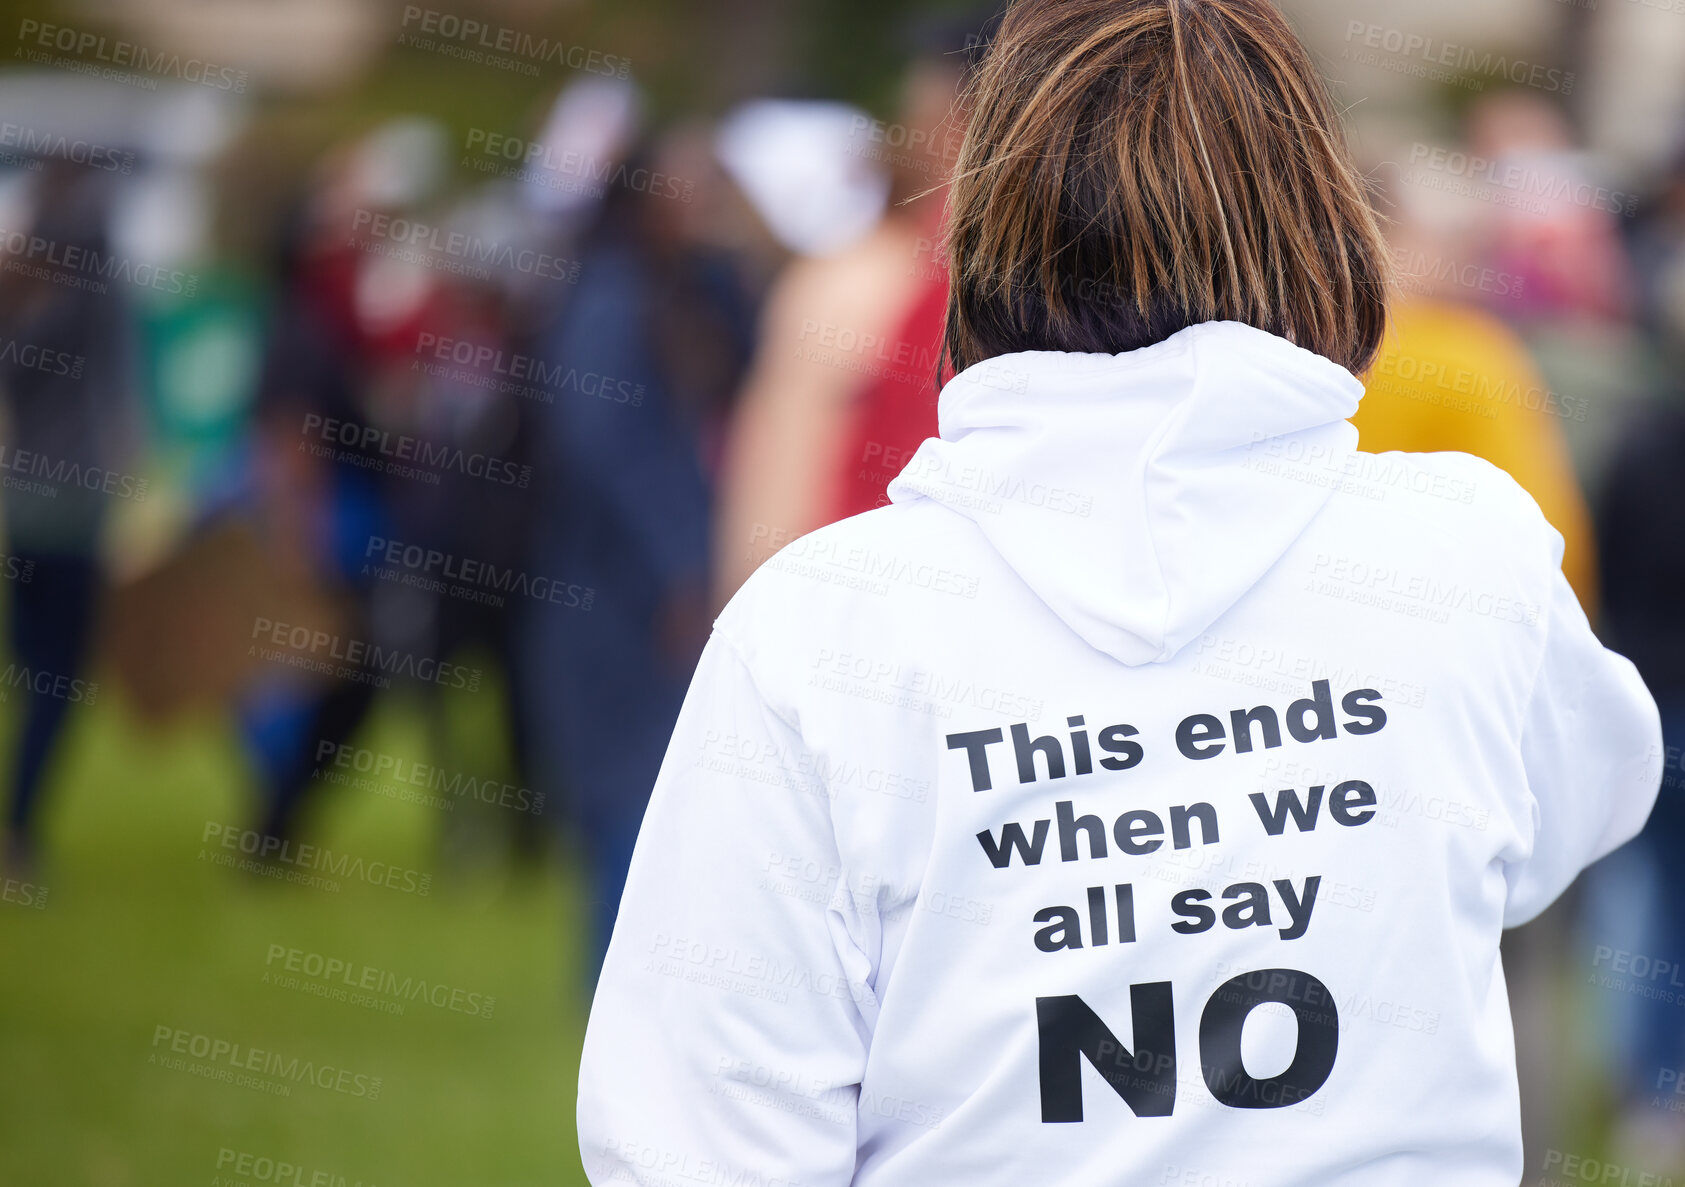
(1133, 167)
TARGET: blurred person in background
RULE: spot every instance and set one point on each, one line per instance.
(896, 408)
(1562, 238)
(341, 348)
(312, 514)
(842, 383)
(653, 341)
(66, 386)
(1452, 376)
(461, 603)
(1552, 219)
(1638, 903)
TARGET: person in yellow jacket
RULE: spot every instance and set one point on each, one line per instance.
(1450, 376)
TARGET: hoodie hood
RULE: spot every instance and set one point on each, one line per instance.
(1140, 495)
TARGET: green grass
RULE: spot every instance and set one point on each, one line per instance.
(139, 931)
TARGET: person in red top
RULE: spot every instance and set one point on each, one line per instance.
(897, 409)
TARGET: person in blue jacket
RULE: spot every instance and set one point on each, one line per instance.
(639, 364)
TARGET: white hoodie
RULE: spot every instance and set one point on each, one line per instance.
(1138, 800)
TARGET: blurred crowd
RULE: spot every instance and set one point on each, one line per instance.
(518, 424)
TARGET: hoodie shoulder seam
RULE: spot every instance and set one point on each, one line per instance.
(736, 649)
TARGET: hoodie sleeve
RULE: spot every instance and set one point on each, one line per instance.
(1592, 746)
(727, 1041)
